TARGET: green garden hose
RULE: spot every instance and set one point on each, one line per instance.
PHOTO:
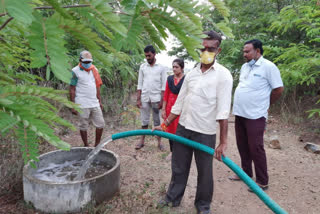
(234, 167)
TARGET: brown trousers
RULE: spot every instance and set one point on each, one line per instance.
(249, 135)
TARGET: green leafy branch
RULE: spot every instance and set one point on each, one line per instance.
(27, 111)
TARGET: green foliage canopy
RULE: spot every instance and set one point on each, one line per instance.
(43, 38)
(290, 32)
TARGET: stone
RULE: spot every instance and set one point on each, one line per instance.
(274, 143)
(311, 147)
(309, 137)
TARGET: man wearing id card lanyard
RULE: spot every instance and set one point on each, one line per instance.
(259, 86)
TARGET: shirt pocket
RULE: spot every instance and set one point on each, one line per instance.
(210, 95)
(207, 93)
(258, 81)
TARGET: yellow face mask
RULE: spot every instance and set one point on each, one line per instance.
(207, 57)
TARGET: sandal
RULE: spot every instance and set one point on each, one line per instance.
(234, 178)
(161, 147)
(139, 146)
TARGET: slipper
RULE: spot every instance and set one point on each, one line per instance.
(264, 188)
(139, 146)
(234, 178)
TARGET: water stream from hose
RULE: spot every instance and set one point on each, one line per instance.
(90, 158)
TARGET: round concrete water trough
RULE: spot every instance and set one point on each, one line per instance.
(71, 196)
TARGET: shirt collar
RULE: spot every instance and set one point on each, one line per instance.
(212, 68)
(155, 64)
(259, 62)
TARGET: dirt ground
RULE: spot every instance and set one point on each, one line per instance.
(145, 175)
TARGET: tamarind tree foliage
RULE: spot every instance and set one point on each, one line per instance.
(299, 60)
(40, 41)
(290, 32)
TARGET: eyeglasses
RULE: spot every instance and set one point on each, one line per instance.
(210, 49)
(87, 62)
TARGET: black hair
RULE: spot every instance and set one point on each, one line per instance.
(180, 62)
(213, 35)
(257, 44)
(149, 48)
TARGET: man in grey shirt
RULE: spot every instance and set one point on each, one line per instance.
(151, 86)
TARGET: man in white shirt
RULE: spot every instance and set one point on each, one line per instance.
(259, 86)
(204, 99)
(151, 86)
(85, 91)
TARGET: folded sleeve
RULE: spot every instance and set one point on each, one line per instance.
(224, 91)
(274, 77)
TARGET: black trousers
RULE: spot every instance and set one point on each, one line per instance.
(249, 135)
(171, 145)
(180, 166)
